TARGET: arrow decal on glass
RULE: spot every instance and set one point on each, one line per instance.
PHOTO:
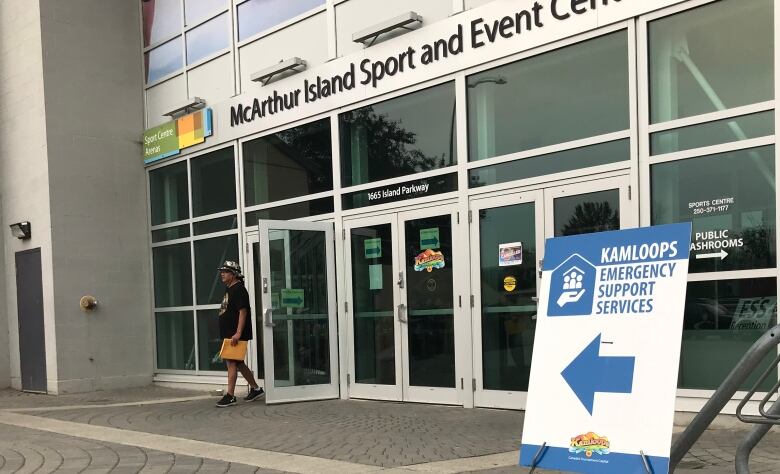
(589, 373)
(722, 254)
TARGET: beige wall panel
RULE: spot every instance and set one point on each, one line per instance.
(285, 44)
(356, 15)
(162, 98)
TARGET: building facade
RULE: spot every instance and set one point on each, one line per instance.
(388, 195)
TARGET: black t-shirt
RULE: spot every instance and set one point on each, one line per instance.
(236, 298)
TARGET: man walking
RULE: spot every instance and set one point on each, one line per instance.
(235, 323)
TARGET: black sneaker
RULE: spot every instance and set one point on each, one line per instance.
(254, 394)
(226, 401)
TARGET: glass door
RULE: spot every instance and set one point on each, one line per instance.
(507, 241)
(592, 206)
(373, 296)
(507, 247)
(402, 303)
(297, 289)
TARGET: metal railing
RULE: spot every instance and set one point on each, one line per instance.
(746, 366)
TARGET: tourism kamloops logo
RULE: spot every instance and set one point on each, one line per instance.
(428, 260)
(589, 443)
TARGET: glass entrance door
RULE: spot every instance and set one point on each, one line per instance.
(402, 301)
(296, 285)
(507, 247)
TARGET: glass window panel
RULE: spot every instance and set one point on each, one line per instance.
(594, 155)
(730, 198)
(401, 192)
(171, 233)
(713, 133)
(507, 292)
(510, 107)
(431, 335)
(215, 225)
(175, 340)
(209, 342)
(172, 275)
(163, 60)
(255, 16)
(587, 213)
(209, 255)
(722, 320)
(196, 10)
(398, 137)
(162, 19)
(213, 182)
(288, 164)
(301, 341)
(695, 67)
(291, 211)
(168, 193)
(374, 306)
(208, 38)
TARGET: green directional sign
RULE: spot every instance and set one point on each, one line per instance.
(429, 238)
(161, 142)
(372, 248)
(292, 298)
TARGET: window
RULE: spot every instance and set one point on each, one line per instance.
(208, 38)
(175, 340)
(197, 10)
(162, 23)
(399, 137)
(186, 252)
(288, 164)
(722, 320)
(168, 193)
(209, 255)
(510, 108)
(594, 155)
(730, 198)
(291, 211)
(172, 275)
(255, 16)
(711, 58)
(213, 182)
(163, 60)
(713, 133)
(162, 19)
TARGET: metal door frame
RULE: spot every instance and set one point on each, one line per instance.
(301, 392)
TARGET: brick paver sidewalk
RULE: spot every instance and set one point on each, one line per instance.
(113, 431)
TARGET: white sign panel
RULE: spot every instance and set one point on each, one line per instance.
(607, 349)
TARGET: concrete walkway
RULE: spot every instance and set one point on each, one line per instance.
(163, 430)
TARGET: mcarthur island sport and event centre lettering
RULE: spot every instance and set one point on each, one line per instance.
(475, 34)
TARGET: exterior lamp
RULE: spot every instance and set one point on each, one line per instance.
(21, 230)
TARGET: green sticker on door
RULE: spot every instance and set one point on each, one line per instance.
(429, 238)
(372, 248)
(292, 298)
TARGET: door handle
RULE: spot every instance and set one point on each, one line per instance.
(400, 279)
(402, 313)
(269, 317)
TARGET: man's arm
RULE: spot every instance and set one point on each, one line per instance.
(240, 329)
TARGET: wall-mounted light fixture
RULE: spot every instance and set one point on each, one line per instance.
(264, 76)
(192, 104)
(371, 34)
(21, 230)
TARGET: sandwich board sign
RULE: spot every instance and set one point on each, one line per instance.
(607, 349)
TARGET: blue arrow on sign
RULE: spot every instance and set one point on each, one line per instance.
(589, 373)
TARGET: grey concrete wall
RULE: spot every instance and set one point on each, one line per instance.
(24, 174)
(94, 118)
